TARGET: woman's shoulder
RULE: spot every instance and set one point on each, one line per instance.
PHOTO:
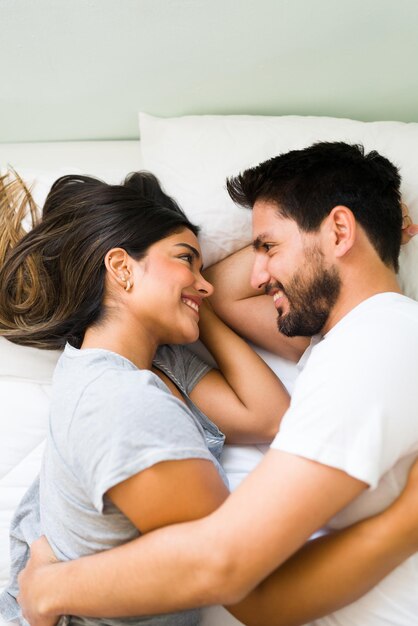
(86, 381)
(131, 405)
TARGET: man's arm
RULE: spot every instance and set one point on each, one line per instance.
(218, 559)
(334, 570)
(327, 573)
(248, 311)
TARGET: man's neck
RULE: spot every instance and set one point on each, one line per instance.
(358, 287)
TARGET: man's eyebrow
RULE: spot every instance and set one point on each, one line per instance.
(259, 241)
(193, 250)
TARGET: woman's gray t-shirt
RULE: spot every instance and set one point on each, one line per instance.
(109, 420)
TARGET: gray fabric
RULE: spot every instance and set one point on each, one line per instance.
(108, 421)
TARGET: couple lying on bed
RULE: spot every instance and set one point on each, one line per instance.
(112, 274)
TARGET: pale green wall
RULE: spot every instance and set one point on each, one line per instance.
(81, 69)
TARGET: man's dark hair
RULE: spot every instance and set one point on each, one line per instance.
(307, 184)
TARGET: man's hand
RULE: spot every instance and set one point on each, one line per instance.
(409, 229)
(41, 556)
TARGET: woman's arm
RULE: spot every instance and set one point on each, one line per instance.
(245, 398)
(170, 492)
(248, 311)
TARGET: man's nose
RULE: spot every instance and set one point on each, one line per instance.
(259, 275)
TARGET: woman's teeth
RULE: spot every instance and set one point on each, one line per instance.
(193, 305)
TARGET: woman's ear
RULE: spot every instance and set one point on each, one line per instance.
(118, 265)
(343, 228)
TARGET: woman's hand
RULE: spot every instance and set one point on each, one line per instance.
(30, 597)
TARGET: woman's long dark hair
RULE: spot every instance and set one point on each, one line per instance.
(52, 278)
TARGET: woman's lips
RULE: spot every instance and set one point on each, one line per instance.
(192, 303)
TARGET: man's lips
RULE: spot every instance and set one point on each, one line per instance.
(278, 297)
(277, 293)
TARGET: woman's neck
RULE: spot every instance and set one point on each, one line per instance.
(133, 343)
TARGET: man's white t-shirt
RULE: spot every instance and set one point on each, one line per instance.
(355, 408)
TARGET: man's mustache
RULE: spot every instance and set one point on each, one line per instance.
(274, 286)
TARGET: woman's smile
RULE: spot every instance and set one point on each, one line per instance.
(193, 303)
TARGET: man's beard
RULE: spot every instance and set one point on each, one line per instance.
(312, 292)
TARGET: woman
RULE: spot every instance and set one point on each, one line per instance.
(113, 273)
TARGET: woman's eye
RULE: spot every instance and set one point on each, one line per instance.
(187, 257)
(267, 246)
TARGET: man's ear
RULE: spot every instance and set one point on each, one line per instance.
(342, 230)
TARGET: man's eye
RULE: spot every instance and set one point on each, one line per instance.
(267, 247)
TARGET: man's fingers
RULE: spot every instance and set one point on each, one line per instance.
(409, 232)
(41, 551)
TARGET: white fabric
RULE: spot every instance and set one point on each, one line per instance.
(25, 383)
(354, 407)
(193, 155)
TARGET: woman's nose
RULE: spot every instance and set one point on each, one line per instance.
(204, 287)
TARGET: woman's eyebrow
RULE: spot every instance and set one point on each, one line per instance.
(191, 248)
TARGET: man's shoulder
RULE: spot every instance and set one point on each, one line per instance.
(376, 339)
(386, 316)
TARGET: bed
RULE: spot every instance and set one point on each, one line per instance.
(192, 157)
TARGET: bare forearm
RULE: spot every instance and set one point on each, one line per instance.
(197, 563)
(260, 392)
(127, 581)
(328, 573)
(220, 558)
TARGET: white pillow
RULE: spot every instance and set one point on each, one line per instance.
(192, 156)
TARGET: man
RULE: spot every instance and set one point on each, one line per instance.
(327, 232)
